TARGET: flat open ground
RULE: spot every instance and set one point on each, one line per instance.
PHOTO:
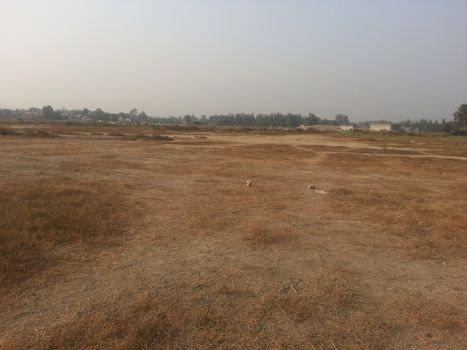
(116, 241)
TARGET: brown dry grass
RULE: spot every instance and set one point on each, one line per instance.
(181, 319)
(424, 222)
(37, 217)
(376, 263)
(331, 311)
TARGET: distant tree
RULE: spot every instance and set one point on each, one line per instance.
(142, 116)
(85, 112)
(133, 113)
(342, 119)
(99, 114)
(311, 119)
(48, 112)
(460, 117)
(189, 119)
(314, 118)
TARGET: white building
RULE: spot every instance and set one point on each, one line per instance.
(380, 126)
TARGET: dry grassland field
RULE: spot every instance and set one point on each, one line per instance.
(142, 238)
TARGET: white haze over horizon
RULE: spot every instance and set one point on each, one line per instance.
(387, 59)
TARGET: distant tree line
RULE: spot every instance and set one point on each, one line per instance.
(456, 126)
(426, 125)
(272, 120)
(48, 113)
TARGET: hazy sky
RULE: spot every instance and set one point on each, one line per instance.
(367, 58)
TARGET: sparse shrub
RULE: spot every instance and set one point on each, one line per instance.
(116, 134)
(7, 131)
(38, 133)
(26, 132)
(162, 138)
(155, 137)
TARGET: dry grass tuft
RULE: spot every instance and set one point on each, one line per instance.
(428, 322)
(161, 138)
(262, 234)
(155, 137)
(334, 291)
(417, 310)
(37, 217)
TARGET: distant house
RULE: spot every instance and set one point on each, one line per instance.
(346, 127)
(380, 126)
